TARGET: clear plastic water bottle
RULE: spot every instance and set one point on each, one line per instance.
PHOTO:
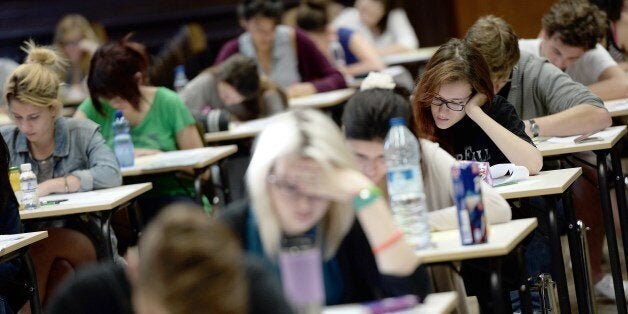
(122, 141)
(405, 183)
(28, 183)
(180, 79)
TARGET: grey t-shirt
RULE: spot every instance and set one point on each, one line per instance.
(200, 92)
(538, 88)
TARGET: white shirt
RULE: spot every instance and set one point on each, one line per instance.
(398, 28)
(586, 70)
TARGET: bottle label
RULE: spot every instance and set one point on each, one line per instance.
(404, 180)
(28, 185)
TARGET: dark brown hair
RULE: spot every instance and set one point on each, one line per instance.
(455, 61)
(576, 22)
(112, 72)
(312, 15)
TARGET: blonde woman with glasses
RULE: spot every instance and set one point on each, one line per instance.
(303, 180)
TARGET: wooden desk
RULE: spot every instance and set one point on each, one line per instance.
(613, 135)
(86, 202)
(502, 239)
(321, 100)
(16, 246)
(243, 130)
(435, 303)
(557, 183)
(617, 107)
(104, 201)
(604, 149)
(417, 55)
(173, 161)
(10, 243)
(545, 183)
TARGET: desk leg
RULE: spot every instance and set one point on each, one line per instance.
(524, 290)
(558, 266)
(198, 191)
(579, 261)
(620, 192)
(105, 228)
(501, 298)
(609, 228)
(35, 303)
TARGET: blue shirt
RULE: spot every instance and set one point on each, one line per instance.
(80, 150)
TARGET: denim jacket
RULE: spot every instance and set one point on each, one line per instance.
(80, 150)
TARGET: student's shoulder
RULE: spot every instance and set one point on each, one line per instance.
(7, 130)
(78, 125)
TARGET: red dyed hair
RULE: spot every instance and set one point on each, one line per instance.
(112, 72)
(455, 61)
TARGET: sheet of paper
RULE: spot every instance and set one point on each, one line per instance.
(570, 139)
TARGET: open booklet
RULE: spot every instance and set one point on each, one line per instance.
(504, 174)
(500, 174)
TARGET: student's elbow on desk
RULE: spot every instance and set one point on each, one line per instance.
(535, 164)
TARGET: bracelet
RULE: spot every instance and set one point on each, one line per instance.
(388, 243)
(65, 181)
(365, 197)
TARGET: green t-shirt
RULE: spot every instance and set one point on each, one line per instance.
(158, 130)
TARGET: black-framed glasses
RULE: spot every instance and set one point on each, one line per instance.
(455, 105)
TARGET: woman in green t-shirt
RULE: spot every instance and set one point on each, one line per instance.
(159, 120)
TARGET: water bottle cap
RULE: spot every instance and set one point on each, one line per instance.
(397, 121)
(14, 168)
(179, 68)
(119, 114)
(25, 167)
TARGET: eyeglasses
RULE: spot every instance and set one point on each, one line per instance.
(289, 190)
(455, 105)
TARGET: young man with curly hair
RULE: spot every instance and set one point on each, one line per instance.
(572, 30)
(551, 104)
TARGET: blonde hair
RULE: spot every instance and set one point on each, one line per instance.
(75, 23)
(307, 134)
(36, 80)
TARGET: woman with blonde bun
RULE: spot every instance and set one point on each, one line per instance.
(67, 155)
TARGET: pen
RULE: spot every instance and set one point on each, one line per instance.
(53, 202)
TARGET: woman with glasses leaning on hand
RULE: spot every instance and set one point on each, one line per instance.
(455, 106)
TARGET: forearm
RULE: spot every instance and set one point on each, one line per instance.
(577, 120)
(614, 88)
(58, 185)
(399, 258)
(514, 148)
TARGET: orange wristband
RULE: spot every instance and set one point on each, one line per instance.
(389, 242)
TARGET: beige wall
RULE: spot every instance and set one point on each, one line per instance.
(523, 15)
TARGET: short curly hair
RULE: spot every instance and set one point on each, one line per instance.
(577, 23)
(497, 42)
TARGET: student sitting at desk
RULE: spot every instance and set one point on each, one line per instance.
(187, 263)
(232, 91)
(383, 25)
(159, 119)
(454, 105)
(570, 39)
(76, 40)
(345, 48)
(553, 105)
(9, 224)
(285, 54)
(365, 123)
(67, 155)
(303, 180)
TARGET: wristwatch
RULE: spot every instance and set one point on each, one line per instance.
(534, 128)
